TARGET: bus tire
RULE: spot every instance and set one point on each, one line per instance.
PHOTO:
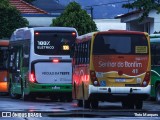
(25, 97)
(86, 103)
(69, 99)
(158, 93)
(127, 104)
(13, 95)
(54, 98)
(139, 104)
(80, 103)
(94, 104)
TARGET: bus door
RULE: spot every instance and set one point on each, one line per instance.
(15, 73)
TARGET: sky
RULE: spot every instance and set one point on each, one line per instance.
(101, 8)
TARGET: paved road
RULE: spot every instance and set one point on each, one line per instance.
(49, 110)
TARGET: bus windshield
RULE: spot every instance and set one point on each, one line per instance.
(53, 43)
(3, 58)
(120, 44)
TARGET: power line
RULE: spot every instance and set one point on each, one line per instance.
(91, 6)
(112, 3)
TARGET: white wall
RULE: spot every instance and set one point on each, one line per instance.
(102, 24)
(106, 24)
(156, 25)
(40, 21)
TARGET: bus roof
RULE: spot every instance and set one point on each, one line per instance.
(4, 42)
(54, 28)
(85, 37)
(19, 33)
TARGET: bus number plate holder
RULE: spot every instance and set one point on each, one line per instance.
(120, 80)
(56, 88)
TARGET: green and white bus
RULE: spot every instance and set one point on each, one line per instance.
(155, 66)
(40, 62)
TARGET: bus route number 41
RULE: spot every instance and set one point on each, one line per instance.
(135, 71)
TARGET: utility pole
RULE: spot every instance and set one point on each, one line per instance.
(128, 8)
(91, 11)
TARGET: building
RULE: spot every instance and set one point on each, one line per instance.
(41, 13)
(151, 24)
(35, 15)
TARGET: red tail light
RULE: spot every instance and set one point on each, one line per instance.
(146, 79)
(73, 33)
(32, 78)
(36, 33)
(94, 78)
(55, 60)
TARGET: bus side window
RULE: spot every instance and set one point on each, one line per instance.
(157, 56)
(25, 56)
(153, 52)
(77, 54)
(14, 59)
(88, 51)
(83, 53)
(80, 50)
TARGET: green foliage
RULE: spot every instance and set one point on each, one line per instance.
(10, 19)
(74, 16)
(143, 5)
(4, 3)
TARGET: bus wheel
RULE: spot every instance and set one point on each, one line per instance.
(127, 105)
(158, 93)
(80, 103)
(62, 99)
(139, 104)
(69, 99)
(86, 103)
(53, 98)
(25, 97)
(94, 104)
(13, 95)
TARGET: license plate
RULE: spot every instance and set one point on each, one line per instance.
(55, 88)
(120, 80)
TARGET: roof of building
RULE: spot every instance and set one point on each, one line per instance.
(128, 14)
(51, 6)
(26, 8)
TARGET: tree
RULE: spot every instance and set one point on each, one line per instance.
(10, 19)
(74, 16)
(144, 6)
